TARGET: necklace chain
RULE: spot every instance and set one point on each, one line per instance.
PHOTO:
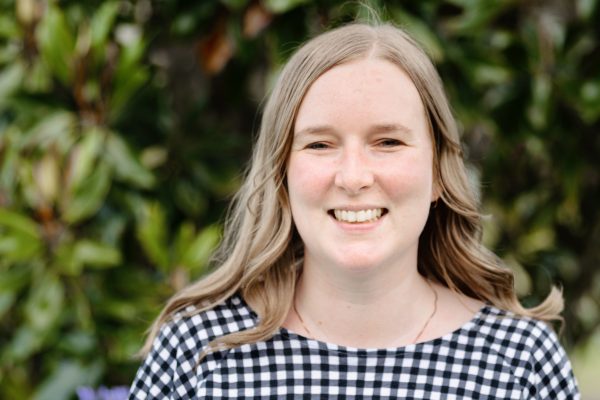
(435, 300)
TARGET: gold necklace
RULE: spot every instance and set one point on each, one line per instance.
(435, 300)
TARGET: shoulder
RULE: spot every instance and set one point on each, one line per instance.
(531, 349)
(224, 318)
(172, 366)
(507, 329)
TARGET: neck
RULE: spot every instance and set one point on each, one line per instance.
(364, 309)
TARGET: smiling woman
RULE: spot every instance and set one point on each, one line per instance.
(351, 264)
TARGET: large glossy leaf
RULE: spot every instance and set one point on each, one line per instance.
(130, 74)
(152, 234)
(57, 43)
(282, 6)
(20, 239)
(39, 78)
(25, 342)
(56, 128)
(84, 155)
(44, 305)
(47, 177)
(126, 164)
(198, 253)
(86, 199)
(102, 22)
(15, 247)
(15, 278)
(19, 223)
(10, 80)
(421, 31)
(7, 299)
(9, 28)
(96, 254)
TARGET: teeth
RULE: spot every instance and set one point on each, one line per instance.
(358, 216)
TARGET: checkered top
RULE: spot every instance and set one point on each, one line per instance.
(495, 355)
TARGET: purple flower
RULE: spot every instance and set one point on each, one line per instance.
(86, 393)
(103, 393)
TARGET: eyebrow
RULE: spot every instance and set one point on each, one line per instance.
(375, 129)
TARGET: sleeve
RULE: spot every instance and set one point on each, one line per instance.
(553, 376)
(155, 377)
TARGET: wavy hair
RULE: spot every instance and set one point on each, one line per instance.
(260, 254)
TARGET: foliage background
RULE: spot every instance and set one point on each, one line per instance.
(124, 126)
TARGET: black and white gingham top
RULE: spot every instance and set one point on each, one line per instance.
(493, 356)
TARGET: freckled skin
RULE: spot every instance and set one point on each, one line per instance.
(350, 160)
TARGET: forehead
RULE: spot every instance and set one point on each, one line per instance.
(368, 89)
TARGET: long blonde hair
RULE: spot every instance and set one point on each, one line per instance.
(260, 253)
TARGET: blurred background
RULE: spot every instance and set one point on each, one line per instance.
(125, 125)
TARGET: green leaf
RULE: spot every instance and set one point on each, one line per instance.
(66, 378)
(126, 165)
(87, 199)
(56, 128)
(102, 22)
(25, 342)
(56, 43)
(44, 305)
(476, 16)
(190, 198)
(282, 6)
(64, 259)
(9, 162)
(422, 32)
(184, 238)
(588, 101)
(84, 155)
(120, 309)
(9, 28)
(7, 299)
(112, 230)
(10, 81)
(152, 233)
(539, 108)
(39, 79)
(19, 223)
(18, 247)
(15, 278)
(47, 177)
(96, 254)
(197, 255)
(79, 342)
(130, 75)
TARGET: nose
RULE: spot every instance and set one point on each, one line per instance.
(354, 173)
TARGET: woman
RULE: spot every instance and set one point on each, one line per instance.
(352, 264)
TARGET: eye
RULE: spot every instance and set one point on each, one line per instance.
(389, 143)
(317, 146)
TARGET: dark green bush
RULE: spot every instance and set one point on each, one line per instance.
(124, 127)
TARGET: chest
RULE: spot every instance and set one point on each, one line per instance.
(292, 369)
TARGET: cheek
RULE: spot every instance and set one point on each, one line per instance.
(306, 180)
(412, 177)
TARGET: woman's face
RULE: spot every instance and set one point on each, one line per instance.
(360, 174)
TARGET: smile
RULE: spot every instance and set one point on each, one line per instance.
(358, 216)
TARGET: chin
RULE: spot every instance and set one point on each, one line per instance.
(358, 264)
